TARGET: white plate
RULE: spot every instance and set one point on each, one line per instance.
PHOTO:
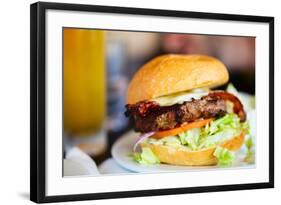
(122, 151)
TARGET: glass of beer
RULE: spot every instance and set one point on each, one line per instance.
(84, 87)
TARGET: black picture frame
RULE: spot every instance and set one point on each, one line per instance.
(38, 103)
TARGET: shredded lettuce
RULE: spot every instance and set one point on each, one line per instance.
(172, 141)
(146, 157)
(222, 129)
(249, 143)
(250, 150)
(211, 135)
(231, 89)
(213, 140)
(191, 138)
(224, 156)
(229, 121)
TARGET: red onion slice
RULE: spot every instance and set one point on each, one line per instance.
(141, 138)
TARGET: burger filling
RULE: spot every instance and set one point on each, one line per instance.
(189, 121)
(198, 138)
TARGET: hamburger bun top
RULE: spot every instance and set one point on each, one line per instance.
(168, 74)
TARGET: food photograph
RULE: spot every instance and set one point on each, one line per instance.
(148, 102)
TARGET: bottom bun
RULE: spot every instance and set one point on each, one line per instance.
(204, 157)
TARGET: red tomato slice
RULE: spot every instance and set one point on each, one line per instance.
(182, 128)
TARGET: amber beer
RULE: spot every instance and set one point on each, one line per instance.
(84, 102)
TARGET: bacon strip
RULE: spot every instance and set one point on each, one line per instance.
(237, 108)
(141, 108)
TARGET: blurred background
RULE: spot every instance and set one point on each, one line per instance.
(98, 66)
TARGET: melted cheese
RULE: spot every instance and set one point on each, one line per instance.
(181, 97)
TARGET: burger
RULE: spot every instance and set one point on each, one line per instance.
(181, 119)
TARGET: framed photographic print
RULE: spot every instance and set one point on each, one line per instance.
(129, 102)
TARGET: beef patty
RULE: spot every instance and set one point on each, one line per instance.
(150, 116)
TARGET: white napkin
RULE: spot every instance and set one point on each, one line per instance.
(78, 163)
(110, 166)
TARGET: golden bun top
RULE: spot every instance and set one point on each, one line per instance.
(168, 74)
